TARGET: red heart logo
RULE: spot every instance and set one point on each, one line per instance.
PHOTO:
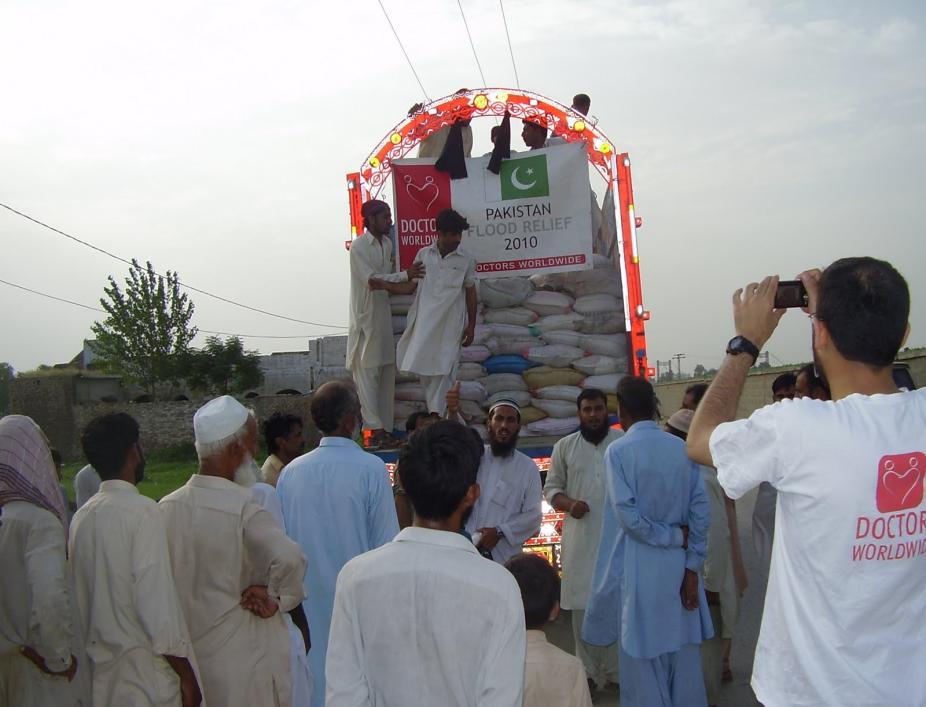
(420, 194)
(900, 481)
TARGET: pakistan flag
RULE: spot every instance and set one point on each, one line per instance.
(524, 178)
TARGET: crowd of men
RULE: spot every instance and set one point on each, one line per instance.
(294, 584)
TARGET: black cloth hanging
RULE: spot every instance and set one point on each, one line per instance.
(502, 148)
(452, 159)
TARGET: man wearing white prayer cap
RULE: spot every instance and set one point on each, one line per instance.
(508, 511)
(234, 568)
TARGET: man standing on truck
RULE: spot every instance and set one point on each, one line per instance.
(370, 346)
(575, 486)
(841, 610)
(430, 345)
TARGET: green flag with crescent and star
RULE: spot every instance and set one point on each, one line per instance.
(524, 178)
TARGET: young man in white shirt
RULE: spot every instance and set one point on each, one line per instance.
(370, 345)
(456, 636)
(443, 315)
(843, 611)
(123, 583)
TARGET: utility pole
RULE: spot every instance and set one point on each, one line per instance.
(659, 367)
(678, 358)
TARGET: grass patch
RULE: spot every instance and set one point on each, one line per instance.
(166, 470)
(161, 477)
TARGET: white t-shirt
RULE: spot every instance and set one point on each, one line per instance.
(846, 607)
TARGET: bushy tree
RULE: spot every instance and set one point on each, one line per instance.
(147, 333)
(223, 367)
(6, 375)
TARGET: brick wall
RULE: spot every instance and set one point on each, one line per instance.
(758, 389)
(167, 424)
(49, 401)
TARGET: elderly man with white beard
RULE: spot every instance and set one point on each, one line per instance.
(508, 511)
(234, 568)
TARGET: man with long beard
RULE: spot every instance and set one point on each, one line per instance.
(508, 510)
(234, 568)
(575, 486)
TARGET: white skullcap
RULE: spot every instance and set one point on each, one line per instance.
(219, 419)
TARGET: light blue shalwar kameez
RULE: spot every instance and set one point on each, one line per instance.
(337, 504)
(651, 490)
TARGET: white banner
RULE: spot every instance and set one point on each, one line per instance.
(532, 217)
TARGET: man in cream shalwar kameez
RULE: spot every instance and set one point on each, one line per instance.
(443, 313)
(35, 598)
(123, 584)
(235, 570)
(575, 485)
(370, 345)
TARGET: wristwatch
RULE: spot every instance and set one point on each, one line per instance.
(499, 531)
(740, 344)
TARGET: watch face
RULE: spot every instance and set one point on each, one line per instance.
(740, 344)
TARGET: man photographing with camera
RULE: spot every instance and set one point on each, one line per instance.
(845, 607)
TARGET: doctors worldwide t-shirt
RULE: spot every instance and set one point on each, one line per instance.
(845, 612)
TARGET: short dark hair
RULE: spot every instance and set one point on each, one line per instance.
(437, 468)
(279, 424)
(637, 396)
(449, 221)
(581, 98)
(496, 129)
(106, 442)
(411, 421)
(591, 394)
(539, 585)
(785, 380)
(331, 403)
(697, 391)
(814, 381)
(540, 127)
(865, 305)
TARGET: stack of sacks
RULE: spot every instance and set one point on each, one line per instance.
(409, 398)
(540, 341)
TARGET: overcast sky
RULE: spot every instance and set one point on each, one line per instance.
(213, 139)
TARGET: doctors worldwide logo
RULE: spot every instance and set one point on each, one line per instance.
(524, 178)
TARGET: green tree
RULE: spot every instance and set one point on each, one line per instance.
(6, 375)
(146, 337)
(223, 367)
(699, 371)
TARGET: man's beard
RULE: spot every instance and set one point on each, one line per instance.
(247, 473)
(503, 449)
(593, 435)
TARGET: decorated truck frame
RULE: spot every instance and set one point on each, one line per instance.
(369, 180)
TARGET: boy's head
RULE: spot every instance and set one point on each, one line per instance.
(539, 585)
(438, 468)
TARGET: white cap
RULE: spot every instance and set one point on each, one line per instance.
(219, 419)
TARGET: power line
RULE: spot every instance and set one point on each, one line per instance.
(59, 299)
(470, 36)
(402, 47)
(182, 284)
(501, 4)
(103, 311)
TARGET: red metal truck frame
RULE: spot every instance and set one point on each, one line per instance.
(562, 122)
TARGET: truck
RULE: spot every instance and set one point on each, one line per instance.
(614, 247)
